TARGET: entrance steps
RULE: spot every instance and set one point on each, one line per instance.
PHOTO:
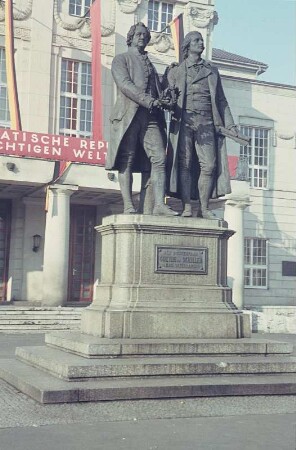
(18, 319)
(74, 367)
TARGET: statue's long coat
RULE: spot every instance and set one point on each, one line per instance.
(222, 116)
(131, 78)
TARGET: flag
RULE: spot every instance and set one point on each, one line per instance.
(177, 31)
(95, 24)
(60, 168)
(15, 119)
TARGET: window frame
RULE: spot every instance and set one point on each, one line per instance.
(83, 6)
(253, 266)
(78, 96)
(244, 152)
(3, 86)
(160, 12)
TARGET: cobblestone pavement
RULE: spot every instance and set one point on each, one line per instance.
(132, 425)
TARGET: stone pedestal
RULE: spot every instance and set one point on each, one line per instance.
(164, 278)
(162, 325)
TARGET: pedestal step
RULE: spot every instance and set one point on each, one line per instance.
(92, 346)
(45, 388)
(120, 369)
(73, 367)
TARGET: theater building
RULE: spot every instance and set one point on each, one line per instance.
(50, 253)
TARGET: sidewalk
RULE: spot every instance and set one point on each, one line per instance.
(272, 432)
(135, 425)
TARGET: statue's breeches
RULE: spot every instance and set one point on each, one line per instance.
(144, 131)
(197, 133)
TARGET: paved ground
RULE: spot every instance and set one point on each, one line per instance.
(228, 433)
(134, 425)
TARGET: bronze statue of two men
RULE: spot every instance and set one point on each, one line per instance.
(195, 165)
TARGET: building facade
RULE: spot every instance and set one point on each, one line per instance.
(49, 250)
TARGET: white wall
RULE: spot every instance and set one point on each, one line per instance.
(15, 276)
(34, 223)
(272, 213)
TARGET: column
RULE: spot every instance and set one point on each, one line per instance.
(56, 245)
(234, 215)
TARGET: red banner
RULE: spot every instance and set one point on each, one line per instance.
(95, 22)
(52, 147)
(232, 163)
(15, 118)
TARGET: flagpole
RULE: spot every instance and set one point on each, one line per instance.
(167, 26)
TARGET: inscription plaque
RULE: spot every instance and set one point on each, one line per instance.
(186, 260)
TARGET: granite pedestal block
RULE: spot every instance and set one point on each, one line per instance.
(164, 277)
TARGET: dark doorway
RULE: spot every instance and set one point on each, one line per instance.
(82, 253)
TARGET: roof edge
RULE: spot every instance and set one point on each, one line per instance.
(235, 59)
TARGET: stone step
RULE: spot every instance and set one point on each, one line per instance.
(91, 346)
(34, 318)
(29, 312)
(71, 367)
(37, 328)
(38, 319)
(45, 388)
(51, 327)
(60, 309)
(38, 314)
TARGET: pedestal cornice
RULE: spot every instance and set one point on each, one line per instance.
(239, 202)
(121, 223)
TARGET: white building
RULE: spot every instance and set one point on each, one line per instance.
(53, 73)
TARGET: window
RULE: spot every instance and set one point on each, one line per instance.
(288, 268)
(4, 107)
(160, 14)
(79, 8)
(257, 154)
(256, 263)
(75, 99)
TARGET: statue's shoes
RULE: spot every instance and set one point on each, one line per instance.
(207, 214)
(187, 212)
(130, 210)
(198, 212)
(164, 210)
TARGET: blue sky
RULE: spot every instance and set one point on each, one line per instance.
(264, 30)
